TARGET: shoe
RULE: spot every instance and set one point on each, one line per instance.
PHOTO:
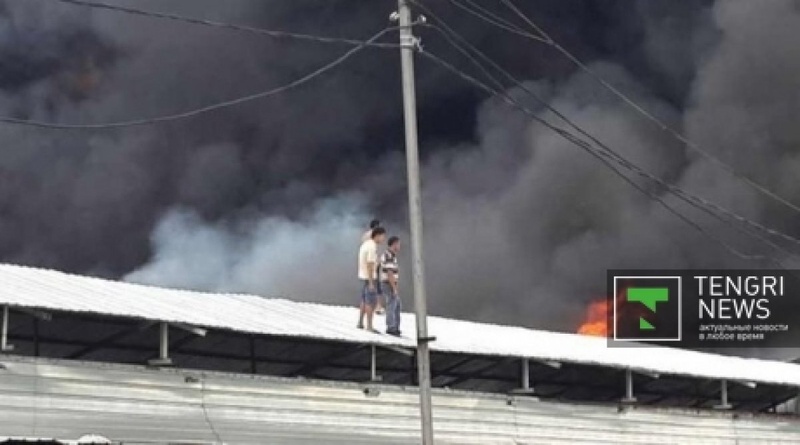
(395, 333)
(360, 326)
(379, 311)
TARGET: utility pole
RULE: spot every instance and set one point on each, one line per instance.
(408, 44)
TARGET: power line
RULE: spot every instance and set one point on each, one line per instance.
(545, 38)
(450, 34)
(527, 20)
(230, 26)
(612, 156)
(693, 201)
(209, 108)
(490, 17)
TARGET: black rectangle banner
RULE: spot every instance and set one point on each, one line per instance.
(704, 308)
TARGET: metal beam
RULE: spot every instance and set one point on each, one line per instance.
(401, 351)
(210, 355)
(5, 346)
(373, 365)
(652, 375)
(200, 332)
(723, 396)
(174, 346)
(36, 313)
(476, 373)
(548, 363)
(525, 378)
(340, 353)
(163, 348)
(526, 374)
(105, 341)
(629, 397)
(751, 385)
(459, 363)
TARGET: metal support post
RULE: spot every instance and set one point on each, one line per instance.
(723, 395)
(373, 365)
(164, 343)
(163, 349)
(5, 346)
(408, 44)
(629, 397)
(525, 378)
(526, 375)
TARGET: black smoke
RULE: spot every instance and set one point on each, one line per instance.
(271, 197)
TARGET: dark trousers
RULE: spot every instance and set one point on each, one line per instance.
(393, 307)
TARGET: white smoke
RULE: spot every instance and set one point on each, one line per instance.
(310, 260)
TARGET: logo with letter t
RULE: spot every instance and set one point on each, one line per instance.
(649, 297)
(647, 305)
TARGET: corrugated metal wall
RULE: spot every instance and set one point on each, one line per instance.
(136, 405)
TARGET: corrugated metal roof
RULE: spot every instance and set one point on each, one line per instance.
(57, 291)
(130, 404)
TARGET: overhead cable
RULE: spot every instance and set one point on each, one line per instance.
(466, 48)
(547, 39)
(206, 109)
(230, 26)
(613, 157)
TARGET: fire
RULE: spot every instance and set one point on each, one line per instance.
(596, 319)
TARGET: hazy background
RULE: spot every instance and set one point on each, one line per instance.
(272, 197)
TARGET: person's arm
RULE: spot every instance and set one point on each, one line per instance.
(371, 275)
(392, 280)
(372, 261)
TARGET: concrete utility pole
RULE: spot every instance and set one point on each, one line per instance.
(409, 43)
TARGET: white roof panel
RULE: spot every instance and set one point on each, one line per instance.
(57, 291)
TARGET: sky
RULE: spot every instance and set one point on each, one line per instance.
(271, 197)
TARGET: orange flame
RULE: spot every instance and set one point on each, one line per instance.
(596, 322)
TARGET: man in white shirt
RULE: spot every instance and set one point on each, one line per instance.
(374, 224)
(367, 276)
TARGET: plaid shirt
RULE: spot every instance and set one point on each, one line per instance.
(388, 262)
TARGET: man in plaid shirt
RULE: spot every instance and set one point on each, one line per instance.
(389, 276)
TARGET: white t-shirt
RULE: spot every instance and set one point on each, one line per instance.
(368, 253)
